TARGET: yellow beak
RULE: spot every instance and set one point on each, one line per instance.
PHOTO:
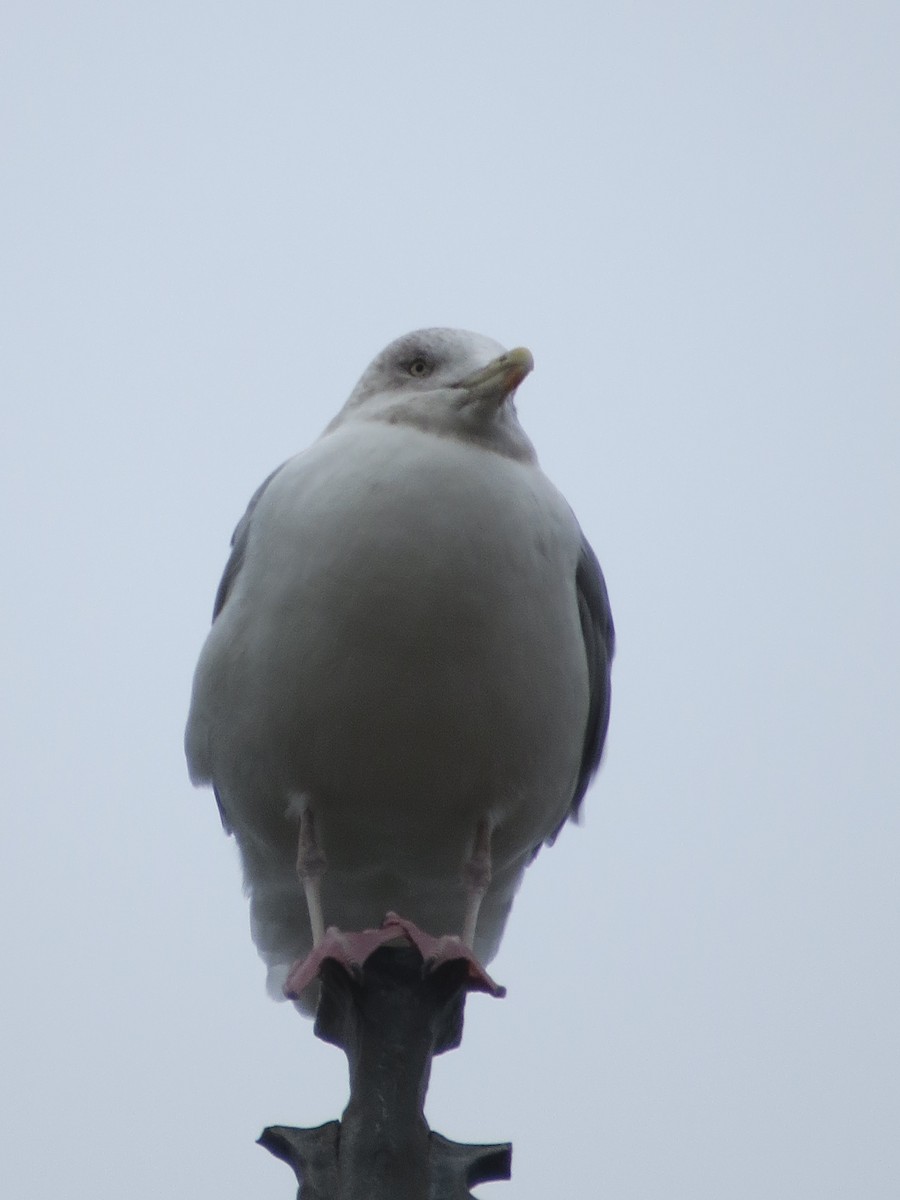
(501, 376)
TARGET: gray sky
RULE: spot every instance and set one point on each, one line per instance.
(214, 214)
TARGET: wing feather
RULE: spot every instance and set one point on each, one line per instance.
(599, 636)
(239, 547)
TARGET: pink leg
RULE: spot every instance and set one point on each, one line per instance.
(476, 877)
(311, 864)
(352, 949)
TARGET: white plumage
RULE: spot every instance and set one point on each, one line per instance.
(411, 642)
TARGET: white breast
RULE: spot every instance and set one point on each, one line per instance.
(402, 646)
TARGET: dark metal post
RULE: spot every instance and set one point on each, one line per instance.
(390, 1020)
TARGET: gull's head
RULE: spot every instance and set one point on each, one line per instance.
(448, 382)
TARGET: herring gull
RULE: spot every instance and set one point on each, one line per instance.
(405, 690)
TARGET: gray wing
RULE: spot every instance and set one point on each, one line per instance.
(232, 570)
(599, 645)
(239, 547)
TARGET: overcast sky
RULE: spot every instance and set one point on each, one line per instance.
(213, 216)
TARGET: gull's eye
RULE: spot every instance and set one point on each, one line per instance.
(419, 368)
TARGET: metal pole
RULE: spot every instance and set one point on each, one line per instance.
(390, 1019)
